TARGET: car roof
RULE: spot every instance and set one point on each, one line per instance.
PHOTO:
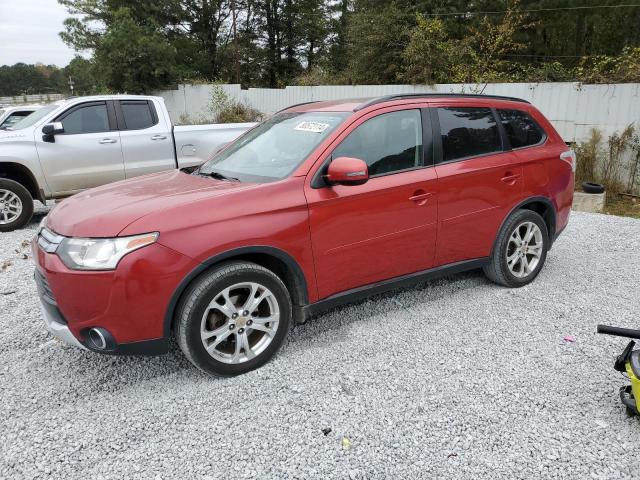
(118, 96)
(13, 108)
(357, 104)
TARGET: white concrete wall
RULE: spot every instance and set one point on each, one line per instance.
(573, 108)
(31, 99)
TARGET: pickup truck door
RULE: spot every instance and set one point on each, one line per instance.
(87, 154)
(147, 143)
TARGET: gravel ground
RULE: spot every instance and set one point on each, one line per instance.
(456, 378)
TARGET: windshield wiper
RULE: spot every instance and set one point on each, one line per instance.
(218, 175)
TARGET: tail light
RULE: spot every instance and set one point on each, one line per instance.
(570, 157)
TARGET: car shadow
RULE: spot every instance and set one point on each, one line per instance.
(405, 298)
(96, 373)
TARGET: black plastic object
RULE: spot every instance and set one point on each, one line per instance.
(623, 358)
(628, 400)
(619, 332)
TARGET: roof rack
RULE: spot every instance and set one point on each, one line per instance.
(297, 105)
(404, 96)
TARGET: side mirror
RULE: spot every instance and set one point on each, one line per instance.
(347, 171)
(50, 130)
(53, 128)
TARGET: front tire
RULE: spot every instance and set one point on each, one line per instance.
(16, 205)
(233, 318)
(520, 250)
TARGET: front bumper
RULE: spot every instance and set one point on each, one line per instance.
(130, 302)
(53, 319)
(61, 331)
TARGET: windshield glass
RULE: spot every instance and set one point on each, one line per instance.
(275, 148)
(33, 118)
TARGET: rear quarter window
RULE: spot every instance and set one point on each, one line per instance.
(521, 129)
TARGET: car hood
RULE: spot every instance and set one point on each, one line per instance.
(106, 211)
(16, 135)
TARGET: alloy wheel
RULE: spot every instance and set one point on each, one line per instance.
(524, 249)
(240, 322)
(10, 207)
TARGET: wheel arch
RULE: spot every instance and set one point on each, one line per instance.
(21, 174)
(541, 205)
(271, 258)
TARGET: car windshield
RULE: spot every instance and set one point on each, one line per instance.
(29, 120)
(273, 149)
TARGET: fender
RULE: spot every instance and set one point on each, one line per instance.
(294, 268)
(547, 202)
(35, 189)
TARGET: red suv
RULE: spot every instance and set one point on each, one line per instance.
(323, 203)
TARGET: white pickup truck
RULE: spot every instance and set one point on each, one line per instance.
(12, 115)
(84, 142)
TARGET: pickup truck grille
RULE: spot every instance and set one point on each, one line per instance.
(49, 241)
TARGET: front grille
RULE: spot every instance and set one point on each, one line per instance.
(49, 241)
(43, 288)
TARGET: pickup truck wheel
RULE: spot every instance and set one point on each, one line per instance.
(520, 250)
(233, 318)
(16, 205)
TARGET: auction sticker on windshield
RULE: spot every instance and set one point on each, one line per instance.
(314, 127)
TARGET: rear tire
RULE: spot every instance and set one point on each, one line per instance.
(233, 318)
(520, 250)
(16, 205)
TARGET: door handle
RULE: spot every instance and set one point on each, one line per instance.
(159, 137)
(108, 140)
(420, 197)
(510, 178)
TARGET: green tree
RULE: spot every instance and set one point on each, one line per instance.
(431, 56)
(134, 58)
(23, 79)
(278, 42)
(378, 34)
(82, 73)
(494, 42)
(337, 26)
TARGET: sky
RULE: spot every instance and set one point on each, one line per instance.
(29, 32)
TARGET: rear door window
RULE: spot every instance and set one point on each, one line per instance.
(138, 114)
(521, 129)
(468, 132)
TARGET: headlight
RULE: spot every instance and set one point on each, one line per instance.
(100, 253)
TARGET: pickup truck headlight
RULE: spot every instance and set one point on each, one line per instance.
(100, 253)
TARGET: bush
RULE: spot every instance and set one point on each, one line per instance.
(624, 68)
(321, 76)
(226, 109)
(186, 119)
(619, 146)
(608, 163)
(589, 155)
